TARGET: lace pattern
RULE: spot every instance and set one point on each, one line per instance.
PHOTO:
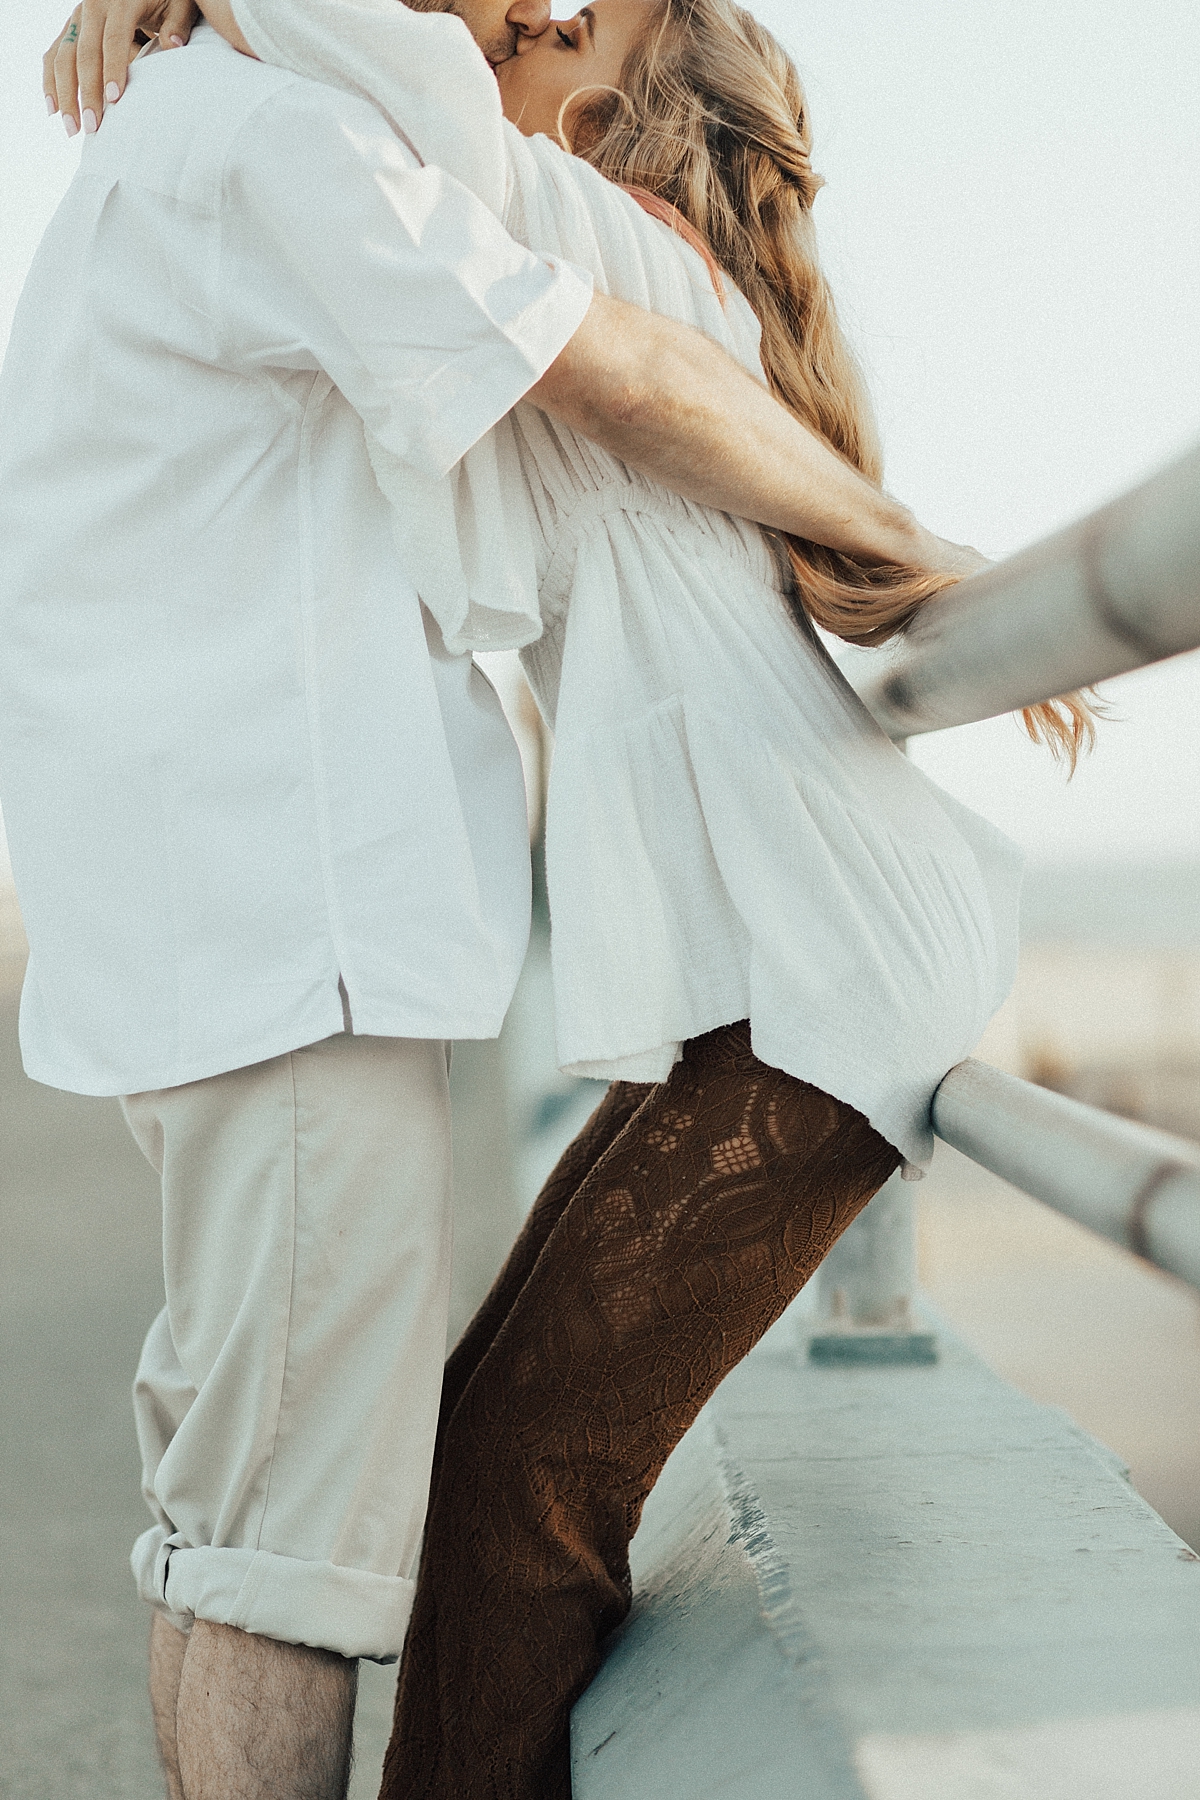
(672, 1233)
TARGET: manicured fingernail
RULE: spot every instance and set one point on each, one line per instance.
(177, 43)
(112, 93)
(69, 125)
(51, 105)
(90, 122)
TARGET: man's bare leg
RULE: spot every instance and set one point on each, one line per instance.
(167, 1647)
(253, 1719)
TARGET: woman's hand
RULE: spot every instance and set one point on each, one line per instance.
(87, 66)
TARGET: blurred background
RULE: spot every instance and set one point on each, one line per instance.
(1012, 225)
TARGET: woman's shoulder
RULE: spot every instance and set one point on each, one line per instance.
(559, 203)
(554, 191)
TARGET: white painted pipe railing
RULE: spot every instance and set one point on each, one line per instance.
(1139, 1187)
(1114, 592)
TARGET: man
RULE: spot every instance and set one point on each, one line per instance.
(267, 832)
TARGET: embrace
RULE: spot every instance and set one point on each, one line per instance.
(350, 351)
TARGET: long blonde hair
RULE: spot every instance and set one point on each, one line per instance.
(710, 118)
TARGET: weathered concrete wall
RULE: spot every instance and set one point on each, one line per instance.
(897, 1584)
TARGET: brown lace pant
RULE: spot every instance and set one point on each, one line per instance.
(672, 1233)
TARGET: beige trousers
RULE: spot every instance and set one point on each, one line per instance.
(287, 1395)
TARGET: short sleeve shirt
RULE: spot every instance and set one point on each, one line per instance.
(237, 765)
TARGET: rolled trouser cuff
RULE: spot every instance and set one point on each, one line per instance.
(351, 1611)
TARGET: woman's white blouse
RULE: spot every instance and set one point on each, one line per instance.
(729, 834)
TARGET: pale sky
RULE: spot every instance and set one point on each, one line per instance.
(1012, 224)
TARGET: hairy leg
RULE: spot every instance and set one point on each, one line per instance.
(680, 1247)
(260, 1720)
(167, 1647)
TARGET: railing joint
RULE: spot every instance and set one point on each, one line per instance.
(1137, 1233)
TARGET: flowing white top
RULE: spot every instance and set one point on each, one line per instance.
(729, 834)
(235, 764)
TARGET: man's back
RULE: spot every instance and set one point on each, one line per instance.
(233, 768)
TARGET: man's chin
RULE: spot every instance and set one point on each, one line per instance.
(499, 50)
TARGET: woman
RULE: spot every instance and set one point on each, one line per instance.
(728, 838)
(770, 931)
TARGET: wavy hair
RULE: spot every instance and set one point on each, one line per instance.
(710, 123)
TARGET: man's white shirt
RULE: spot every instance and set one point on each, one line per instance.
(236, 763)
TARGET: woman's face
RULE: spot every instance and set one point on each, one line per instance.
(586, 51)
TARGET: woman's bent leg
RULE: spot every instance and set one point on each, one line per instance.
(680, 1246)
(581, 1154)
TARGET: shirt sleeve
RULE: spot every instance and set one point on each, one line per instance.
(393, 278)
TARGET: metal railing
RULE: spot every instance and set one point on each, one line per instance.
(1114, 592)
(1139, 1187)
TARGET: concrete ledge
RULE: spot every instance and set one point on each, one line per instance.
(896, 1584)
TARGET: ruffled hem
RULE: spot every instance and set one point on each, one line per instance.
(868, 947)
(911, 1136)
